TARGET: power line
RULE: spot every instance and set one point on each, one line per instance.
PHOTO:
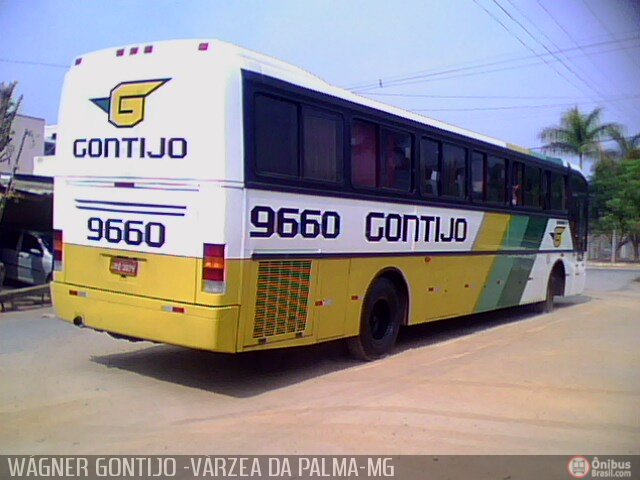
(541, 147)
(418, 77)
(570, 69)
(634, 60)
(517, 107)
(573, 39)
(39, 64)
(439, 76)
(480, 97)
(586, 81)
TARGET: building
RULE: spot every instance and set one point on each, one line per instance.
(33, 145)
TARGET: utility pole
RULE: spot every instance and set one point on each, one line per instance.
(9, 190)
(614, 242)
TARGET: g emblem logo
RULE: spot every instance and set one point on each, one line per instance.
(556, 235)
(126, 103)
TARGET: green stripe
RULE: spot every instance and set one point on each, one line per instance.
(488, 300)
(509, 275)
(533, 234)
(516, 231)
(516, 282)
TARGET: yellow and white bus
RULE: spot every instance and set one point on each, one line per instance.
(215, 198)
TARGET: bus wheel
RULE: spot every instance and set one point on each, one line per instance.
(380, 322)
(546, 305)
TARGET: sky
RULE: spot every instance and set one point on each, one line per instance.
(504, 68)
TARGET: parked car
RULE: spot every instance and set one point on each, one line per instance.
(27, 255)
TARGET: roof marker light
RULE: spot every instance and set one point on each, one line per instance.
(120, 52)
(203, 46)
(148, 49)
(133, 50)
(78, 61)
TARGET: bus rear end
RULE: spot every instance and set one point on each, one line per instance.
(145, 197)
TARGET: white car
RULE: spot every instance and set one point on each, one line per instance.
(27, 255)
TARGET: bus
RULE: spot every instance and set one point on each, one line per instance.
(215, 198)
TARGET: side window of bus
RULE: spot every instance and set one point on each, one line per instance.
(322, 145)
(454, 171)
(517, 197)
(478, 181)
(578, 211)
(276, 136)
(364, 151)
(430, 166)
(496, 181)
(556, 183)
(395, 162)
(544, 191)
(532, 186)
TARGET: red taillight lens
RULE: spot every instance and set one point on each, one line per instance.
(57, 250)
(213, 263)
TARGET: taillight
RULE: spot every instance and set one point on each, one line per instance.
(58, 263)
(213, 268)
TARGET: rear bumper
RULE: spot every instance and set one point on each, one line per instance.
(206, 328)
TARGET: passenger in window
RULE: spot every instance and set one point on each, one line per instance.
(516, 198)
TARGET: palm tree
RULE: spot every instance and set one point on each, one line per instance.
(579, 134)
(628, 147)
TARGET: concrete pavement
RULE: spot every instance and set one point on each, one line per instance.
(506, 382)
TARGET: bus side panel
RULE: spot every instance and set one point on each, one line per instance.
(278, 303)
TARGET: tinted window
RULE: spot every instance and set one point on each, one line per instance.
(496, 180)
(30, 242)
(322, 146)
(557, 192)
(429, 155)
(363, 154)
(395, 161)
(517, 196)
(478, 161)
(544, 191)
(453, 171)
(531, 186)
(276, 136)
(578, 212)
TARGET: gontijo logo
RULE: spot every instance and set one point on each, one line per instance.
(126, 103)
(556, 235)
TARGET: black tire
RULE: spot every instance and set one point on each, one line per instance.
(381, 315)
(546, 305)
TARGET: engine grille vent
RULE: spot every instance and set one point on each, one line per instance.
(282, 297)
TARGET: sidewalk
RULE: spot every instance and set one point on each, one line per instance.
(616, 266)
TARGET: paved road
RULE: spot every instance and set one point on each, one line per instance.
(508, 382)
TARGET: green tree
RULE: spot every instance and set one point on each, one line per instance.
(616, 201)
(578, 134)
(627, 147)
(8, 111)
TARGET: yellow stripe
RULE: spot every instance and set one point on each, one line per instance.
(492, 232)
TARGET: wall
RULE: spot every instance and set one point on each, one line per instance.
(33, 147)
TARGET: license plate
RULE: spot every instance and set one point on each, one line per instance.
(127, 267)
